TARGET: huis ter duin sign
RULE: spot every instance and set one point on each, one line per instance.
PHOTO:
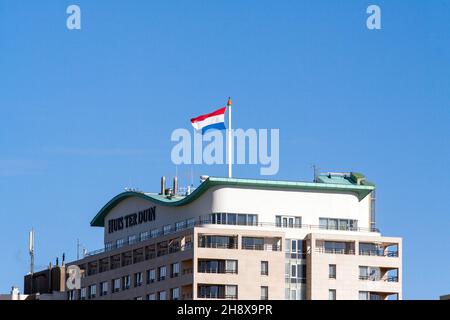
(132, 219)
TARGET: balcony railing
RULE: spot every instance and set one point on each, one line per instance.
(217, 296)
(263, 247)
(335, 251)
(218, 245)
(219, 271)
(206, 221)
(374, 278)
(379, 253)
(187, 271)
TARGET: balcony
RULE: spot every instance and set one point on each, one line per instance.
(217, 242)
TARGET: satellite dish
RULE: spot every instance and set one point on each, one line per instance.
(374, 274)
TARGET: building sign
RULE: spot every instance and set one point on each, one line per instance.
(132, 220)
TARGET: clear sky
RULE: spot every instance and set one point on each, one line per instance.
(87, 113)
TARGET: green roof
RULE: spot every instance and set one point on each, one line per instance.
(336, 185)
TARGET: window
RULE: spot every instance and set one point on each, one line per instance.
(154, 233)
(138, 279)
(332, 271)
(231, 266)
(144, 236)
(297, 273)
(116, 285)
(175, 293)
(180, 225)
(339, 247)
(332, 294)
(278, 221)
(332, 224)
(151, 296)
(175, 270)
(293, 294)
(264, 268)
(213, 241)
(217, 266)
(242, 219)
(369, 273)
(323, 223)
(132, 239)
(264, 293)
(151, 275)
(298, 293)
(71, 294)
(231, 292)
(167, 229)
(92, 291)
(363, 295)
(83, 294)
(370, 249)
(119, 243)
(126, 282)
(108, 246)
(233, 219)
(162, 273)
(190, 222)
(162, 295)
(338, 224)
(103, 288)
(252, 243)
(288, 221)
(363, 273)
(210, 291)
(252, 219)
(296, 248)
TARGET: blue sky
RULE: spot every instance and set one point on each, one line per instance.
(87, 113)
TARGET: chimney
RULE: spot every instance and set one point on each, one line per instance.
(163, 186)
(175, 186)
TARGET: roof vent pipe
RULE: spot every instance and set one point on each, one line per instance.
(175, 186)
(163, 186)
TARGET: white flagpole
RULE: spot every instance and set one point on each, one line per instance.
(230, 141)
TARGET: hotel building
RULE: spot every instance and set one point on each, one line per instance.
(240, 239)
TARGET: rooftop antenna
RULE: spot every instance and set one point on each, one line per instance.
(78, 249)
(31, 250)
(316, 172)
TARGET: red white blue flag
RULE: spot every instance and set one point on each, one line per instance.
(213, 120)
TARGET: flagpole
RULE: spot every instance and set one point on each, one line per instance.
(230, 141)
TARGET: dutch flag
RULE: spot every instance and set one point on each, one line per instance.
(213, 120)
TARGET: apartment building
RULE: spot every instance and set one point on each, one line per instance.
(243, 239)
